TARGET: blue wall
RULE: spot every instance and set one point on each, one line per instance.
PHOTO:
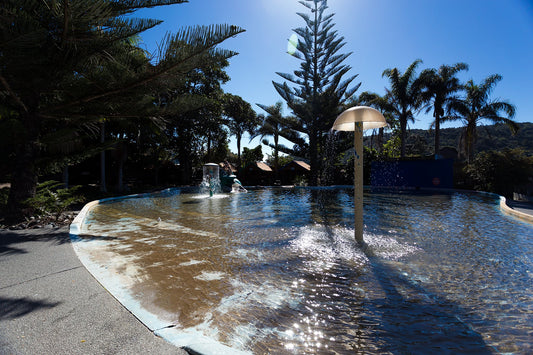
(414, 173)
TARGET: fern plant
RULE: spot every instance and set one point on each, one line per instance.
(51, 200)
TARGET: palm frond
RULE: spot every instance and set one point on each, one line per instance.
(488, 84)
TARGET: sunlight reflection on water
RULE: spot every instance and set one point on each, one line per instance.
(278, 270)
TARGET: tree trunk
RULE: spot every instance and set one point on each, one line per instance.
(121, 160)
(238, 151)
(103, 187)
(470, 142)
(208, 147)
(380, 140)
(403, 135)
(313, 157)
(276, 157)
(437, 135)
(185, 164)
(24, 177)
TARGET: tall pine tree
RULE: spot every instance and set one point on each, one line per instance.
(318, 90)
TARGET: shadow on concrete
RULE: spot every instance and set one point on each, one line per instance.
(12, 308)
(10, 240)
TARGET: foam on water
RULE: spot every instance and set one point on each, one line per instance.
(209, 197)
(210, 276)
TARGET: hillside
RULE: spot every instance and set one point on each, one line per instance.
(493, 137)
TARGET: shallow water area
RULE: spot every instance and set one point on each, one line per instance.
(278, 270)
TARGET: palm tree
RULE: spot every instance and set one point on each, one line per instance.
(404, 96)
(477, 106)
(440, 87)
(277, 126)
(242, 119)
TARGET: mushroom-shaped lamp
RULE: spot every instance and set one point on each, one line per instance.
(358, 119)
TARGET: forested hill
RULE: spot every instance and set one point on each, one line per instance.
(494, 137)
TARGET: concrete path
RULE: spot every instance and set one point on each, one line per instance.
(50, 304)
(519, 209)
(524, 207)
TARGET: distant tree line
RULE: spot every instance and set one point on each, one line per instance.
(490, 138)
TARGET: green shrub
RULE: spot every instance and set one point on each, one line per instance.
(52, 200)
(300, 180)
(500, 172)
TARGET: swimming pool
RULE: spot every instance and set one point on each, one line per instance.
(278, 271)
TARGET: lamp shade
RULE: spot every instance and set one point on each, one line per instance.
(370, 117)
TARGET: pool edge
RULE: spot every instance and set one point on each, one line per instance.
(192, 343)
(181, 339)
(515, 213)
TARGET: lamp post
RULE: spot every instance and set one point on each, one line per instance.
(358, 119)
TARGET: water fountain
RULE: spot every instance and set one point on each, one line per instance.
(230, 183)
(211, 179)
(358, 119)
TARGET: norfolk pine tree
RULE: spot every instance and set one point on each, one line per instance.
(318, 91)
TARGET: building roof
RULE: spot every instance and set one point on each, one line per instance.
(303, 164)
(299, 163)
(263, 166)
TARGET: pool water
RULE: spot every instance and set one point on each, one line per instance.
(278, 271)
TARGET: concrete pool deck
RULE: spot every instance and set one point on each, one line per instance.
(50, 304)
(519, 209)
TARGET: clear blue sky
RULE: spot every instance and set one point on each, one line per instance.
(491, 36)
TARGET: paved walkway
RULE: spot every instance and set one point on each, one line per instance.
(525, 209)
(50, 304)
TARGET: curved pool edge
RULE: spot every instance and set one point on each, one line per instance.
(515, 213)
(190, 341)
(504, 206)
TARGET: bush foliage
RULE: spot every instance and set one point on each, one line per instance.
(52, 200)
(501, 172)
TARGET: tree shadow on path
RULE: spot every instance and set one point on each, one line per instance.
(11, 308)
(10, 240)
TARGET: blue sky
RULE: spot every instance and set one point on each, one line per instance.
(491, 36)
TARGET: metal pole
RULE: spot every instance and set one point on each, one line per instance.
(358, 181)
